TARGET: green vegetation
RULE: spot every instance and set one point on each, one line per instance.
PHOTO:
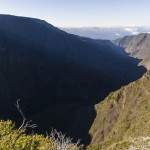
(13, 139)
(16, 139)
(123, 118)
(140, 143)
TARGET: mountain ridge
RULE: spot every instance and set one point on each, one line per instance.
(137, 46)
(59, 77)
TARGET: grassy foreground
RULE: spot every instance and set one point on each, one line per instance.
(12, 138)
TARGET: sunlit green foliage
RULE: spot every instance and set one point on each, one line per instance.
(14, 139)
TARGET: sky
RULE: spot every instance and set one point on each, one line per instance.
(82, 13)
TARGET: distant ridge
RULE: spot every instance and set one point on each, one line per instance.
(137, 46)
(110, 33)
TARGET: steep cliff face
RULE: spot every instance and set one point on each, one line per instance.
(57, 76)
(123, 116)
(137, 46)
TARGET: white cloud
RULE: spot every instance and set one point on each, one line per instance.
(132, 30)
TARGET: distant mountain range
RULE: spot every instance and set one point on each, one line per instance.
(59, 77)
(110, 33)
(137, 46)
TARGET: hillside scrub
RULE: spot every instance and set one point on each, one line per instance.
(138, 143)
(12, 138)
(122, 120)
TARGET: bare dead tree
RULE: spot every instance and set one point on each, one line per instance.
(61, 142)
(25, 123)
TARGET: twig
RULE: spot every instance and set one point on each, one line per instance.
(25, 124)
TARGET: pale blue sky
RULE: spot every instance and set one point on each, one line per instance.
(77, 13)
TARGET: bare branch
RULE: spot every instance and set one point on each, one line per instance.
(25, 124)
(62, 142)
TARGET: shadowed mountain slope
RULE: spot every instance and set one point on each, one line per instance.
(57, 76)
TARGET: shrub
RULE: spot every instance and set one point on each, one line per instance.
(16, 139)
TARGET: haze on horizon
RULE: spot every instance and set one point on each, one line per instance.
(85, 13)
